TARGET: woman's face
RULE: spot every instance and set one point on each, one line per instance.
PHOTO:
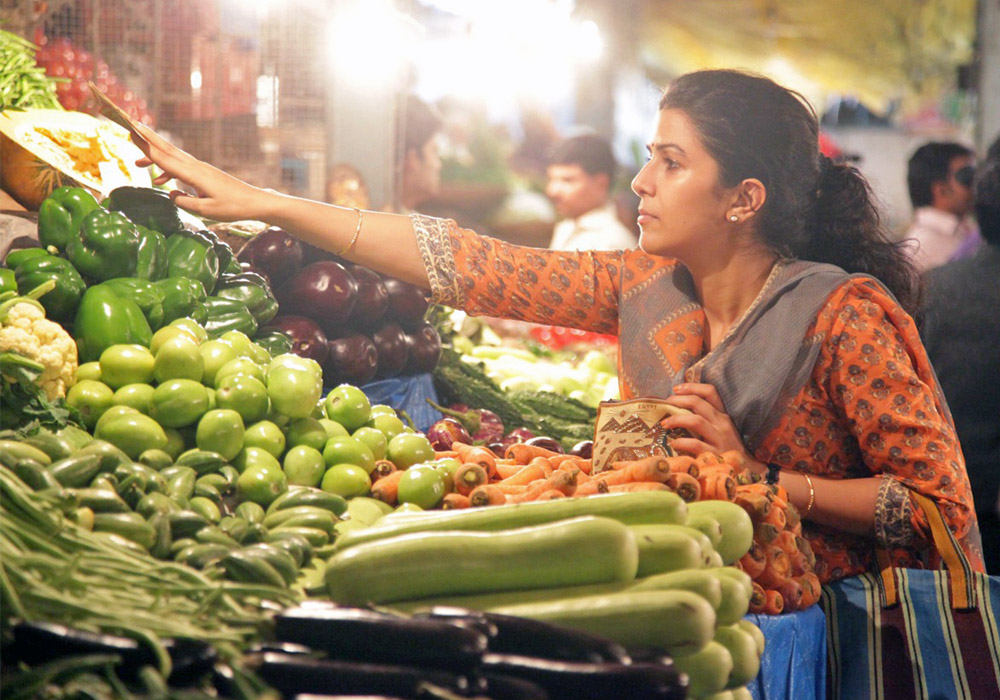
(682, 208)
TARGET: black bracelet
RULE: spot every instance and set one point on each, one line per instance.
(772, 474)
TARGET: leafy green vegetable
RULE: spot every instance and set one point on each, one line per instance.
(23, 404)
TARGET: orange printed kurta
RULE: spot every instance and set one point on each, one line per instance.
(869, 407)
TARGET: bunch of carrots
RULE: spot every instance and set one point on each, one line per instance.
(780, 562)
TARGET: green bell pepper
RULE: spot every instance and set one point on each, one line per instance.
(61, 214)
(16, 257)
(105, 318)
(146, 206)
(151, 262)
(8, 281)
(253, 291)
(228, 315)
(182, 297)
(147, 296)
(191, 254)
(222, 250)
(60, 304)
(275, 341)
(106, 246)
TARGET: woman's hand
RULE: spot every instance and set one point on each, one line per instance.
(220, 196)
(708, 420)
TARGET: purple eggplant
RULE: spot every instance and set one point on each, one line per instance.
(308, 339)
(446, 432)
(275, 252)
(324, 291)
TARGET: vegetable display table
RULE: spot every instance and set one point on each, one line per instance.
(794, 661)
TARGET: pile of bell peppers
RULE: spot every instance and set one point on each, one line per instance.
(126, 266)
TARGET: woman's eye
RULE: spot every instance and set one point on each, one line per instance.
(671, 164)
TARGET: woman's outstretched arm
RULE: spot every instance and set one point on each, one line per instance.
(385, 242)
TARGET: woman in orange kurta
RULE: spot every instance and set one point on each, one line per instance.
(763, 299)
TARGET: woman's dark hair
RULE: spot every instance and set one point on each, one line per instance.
(421, 123)
(815, 209)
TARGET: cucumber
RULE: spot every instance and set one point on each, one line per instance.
(149, 479)
(707, 669)
(664, 548)
(131, 526)
(735, 599)
(707, 525)
(13, 450)
(754, 631)
(160, 523)
(185, 523)
(314, 536)
(76, 471)
(111, 457)
(737, 528)
(302, 516)
(252, 512)
(35, 475)
(282, 561)
(678, 621)
(308, 496)
(202, 461)
(155, 502)
(180, 481)
(245, 568)
(53, 445)
(155, 459)
(234, 526)
(201, 555)
(205, 508)
(213, 534)
(293, 543)
(576, 551)
(742, 648)
(650, 507)
(101, 500)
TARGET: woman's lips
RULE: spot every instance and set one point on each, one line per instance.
(645, 217)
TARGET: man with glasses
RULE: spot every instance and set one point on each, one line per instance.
(939, 177)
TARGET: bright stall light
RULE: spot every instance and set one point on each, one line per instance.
(196, 80)
(369, 42)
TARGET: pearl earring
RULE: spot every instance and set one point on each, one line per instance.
(734, 218)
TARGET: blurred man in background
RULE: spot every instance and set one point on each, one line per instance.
(939, 177)
(420, 178)
(580, 174)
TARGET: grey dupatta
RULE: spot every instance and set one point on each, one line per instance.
(760, 365)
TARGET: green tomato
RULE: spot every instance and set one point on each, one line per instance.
(408, 449)
(133, 433)
(239, 342)
(164, 334)
(349, 406)
(192, 327)
(261, 483)
(375, 440)
(259, 354)
(211, 398)
(347, 450)
(333, 428)
(408, 508)
(221, 431)
(245, 395)
(293, 361)
(251, 456)
(178, 358)
(390, 426)
(239, 366)
(91, 398)
(347, 480)
(214, 355)
(179, 402)
(293, 391)
(265, 435)
(175, 442)
(113, 411)
(306, 431)
(422, 486)
(126, 364)
(304, 466)
(380, 409)
(138, 396)
(89, 370)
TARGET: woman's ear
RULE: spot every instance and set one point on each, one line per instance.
(749, 198)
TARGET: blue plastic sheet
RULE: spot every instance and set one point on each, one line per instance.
(794, 661)
(408, 394)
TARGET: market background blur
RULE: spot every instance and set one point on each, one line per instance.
(281, 91)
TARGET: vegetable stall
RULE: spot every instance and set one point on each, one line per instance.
(201, 499)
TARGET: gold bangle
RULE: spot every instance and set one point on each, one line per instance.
(812, 496)
(357, 232)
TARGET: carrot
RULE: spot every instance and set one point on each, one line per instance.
(717, 486)
(792, 517)
(757, 599)
(799, 564)
(562, 461)
(454, 501)
(507, 469)
(756, 506)
(811, 590)
(525, 475)
(735, 458)
(522, 453)
(479, 455)
(754, 560)
(386, 489)
(759, 488)
(791, 593)
(634, 486)
(774, 603)
(685, 465)
(469, 476)
(383, 467)
(445, 454)
(511, 489)
(723, 468)
(743, 478)
(550, 495)
(777, 569)
(708, 459)
(487, 495)
(560, 480)
(776, 516)
(592, 488)
(685, 486)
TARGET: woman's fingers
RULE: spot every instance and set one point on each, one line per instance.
(691, 446)
(707, 392)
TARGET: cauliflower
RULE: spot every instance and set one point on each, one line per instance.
(26, 331)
